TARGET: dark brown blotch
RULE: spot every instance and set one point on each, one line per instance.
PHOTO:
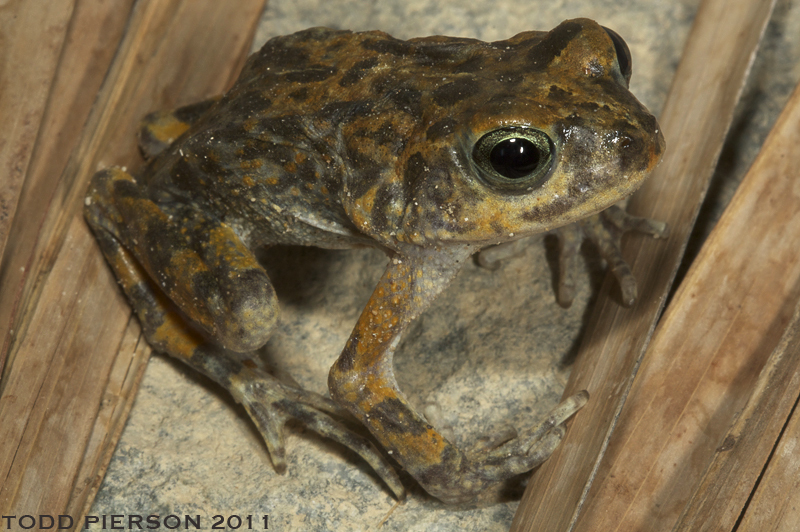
(386, 135)
(389, 413)
(337, 112)
(388, 45)
(407, 100)
(287, 127)
(380, 206)
(365, 170)
(440, 475)
(441, 129)
(300, 95)
(541, 55)
(311, 74)
(415, 171)
(453, 49)
(457, 91)
(279, 53)
(558, 93)
(190, 114)
(358, 72)
(472, 65)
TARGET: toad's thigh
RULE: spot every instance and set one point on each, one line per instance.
(197, 262)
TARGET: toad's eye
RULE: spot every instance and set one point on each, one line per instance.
(623, 54)
(514, 159)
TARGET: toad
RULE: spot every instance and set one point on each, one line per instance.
(430, 149)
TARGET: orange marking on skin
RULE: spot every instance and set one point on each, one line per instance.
(176, 338)
(172, 335)
(128, 271)
(250, 164)
(167, 128)
(250, 124)
(229, 249)
(427, 447)
(363, 208)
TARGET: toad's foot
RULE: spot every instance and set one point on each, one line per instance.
(523, 452)
(271, 403)
(605, 230)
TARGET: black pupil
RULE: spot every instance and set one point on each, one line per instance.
(514, 158)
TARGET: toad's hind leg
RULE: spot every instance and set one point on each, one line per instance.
(198, 265)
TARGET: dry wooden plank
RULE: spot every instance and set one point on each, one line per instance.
(45, 422)
(124, 379)
(696, 118)
(170, 76)
(54, 446)
(94, 32)
(32, 34)
(745, 450)
(775, 507)
(716, 335)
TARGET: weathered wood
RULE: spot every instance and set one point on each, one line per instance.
(75, 359)
(93, 34)
(776, 503)
(696, 118)
(32, 34)
(745, 450)
(721, 326)
(56, 385)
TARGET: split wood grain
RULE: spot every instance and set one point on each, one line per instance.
(775, 506)
(695, 120)
(75, 360)
(54, 389)
(32, 35)
(745, 450)
(93, 33)
(718, 332)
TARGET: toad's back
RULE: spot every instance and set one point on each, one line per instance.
(327, 133)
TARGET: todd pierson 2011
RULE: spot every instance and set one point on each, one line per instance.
(134, 522)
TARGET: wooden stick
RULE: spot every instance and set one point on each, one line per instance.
(75, 359)
(745, 450)
(32, 33)
(695, 120)
(724, 321)
(776, 503)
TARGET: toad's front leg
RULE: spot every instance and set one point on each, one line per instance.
(362, 380)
